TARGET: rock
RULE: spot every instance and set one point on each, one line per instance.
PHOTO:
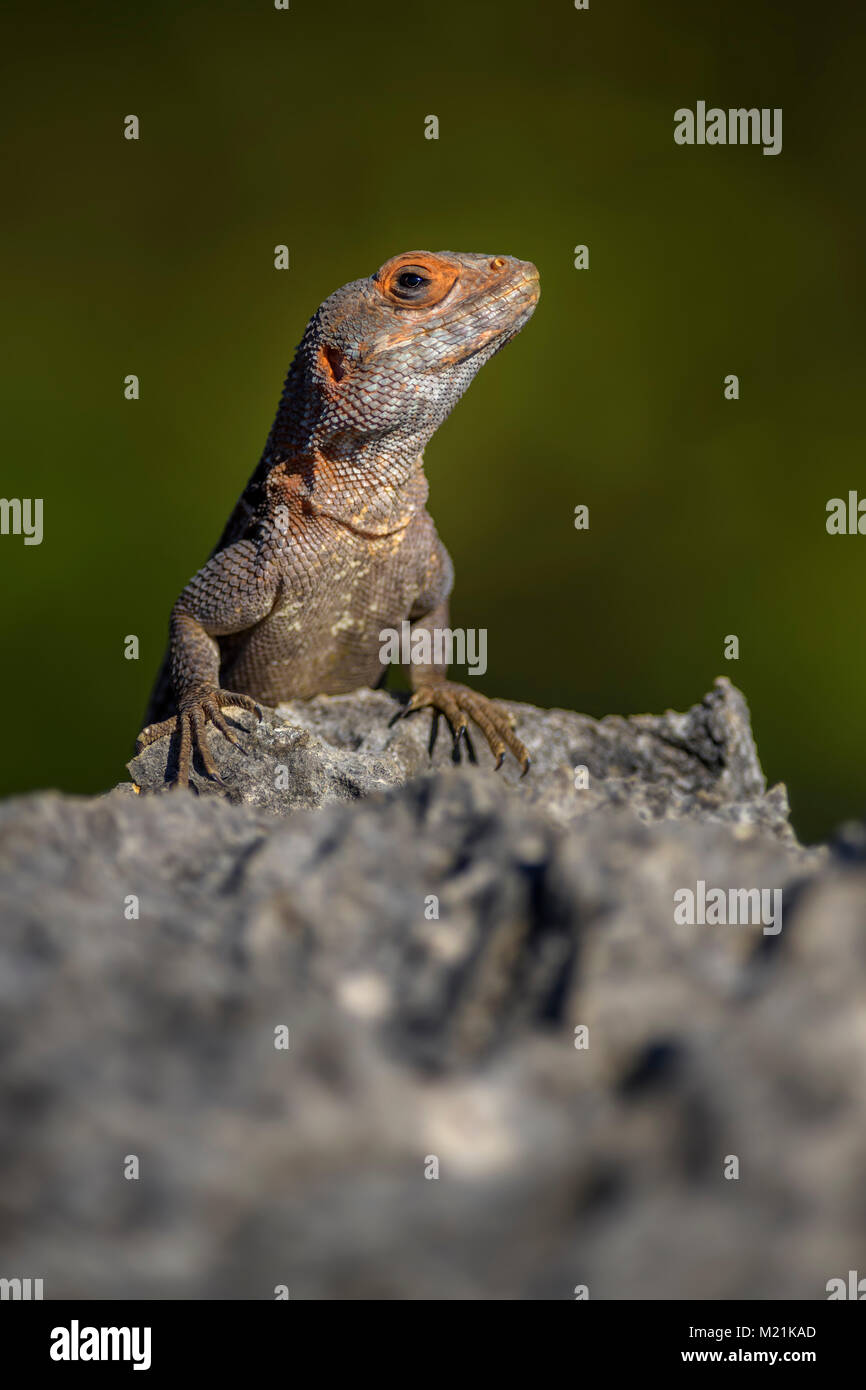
(432, 938)
(701, 765)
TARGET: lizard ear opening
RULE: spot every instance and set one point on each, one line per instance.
(332, 362)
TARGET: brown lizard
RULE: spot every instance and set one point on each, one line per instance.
(330, 542)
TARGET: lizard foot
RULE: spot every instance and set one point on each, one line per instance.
(456, 702)
(202, 705)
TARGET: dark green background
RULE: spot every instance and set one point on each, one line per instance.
(306, 127)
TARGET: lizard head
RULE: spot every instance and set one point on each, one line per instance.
(391, 355)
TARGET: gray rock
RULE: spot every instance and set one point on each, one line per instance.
(700, 765)
(414, 1035)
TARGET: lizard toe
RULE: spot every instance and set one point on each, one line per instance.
(457, 702)
(153, 732)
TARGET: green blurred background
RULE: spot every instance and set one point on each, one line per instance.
(306, 127)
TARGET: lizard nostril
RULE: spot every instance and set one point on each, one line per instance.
(497, 263)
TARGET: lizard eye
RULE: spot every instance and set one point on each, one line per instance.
(412, 284)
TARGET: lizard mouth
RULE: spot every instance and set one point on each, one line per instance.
(498, 319)
(523, 295)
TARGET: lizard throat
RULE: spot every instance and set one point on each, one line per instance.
(371, 499)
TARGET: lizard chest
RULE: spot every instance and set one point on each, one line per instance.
(323, 634)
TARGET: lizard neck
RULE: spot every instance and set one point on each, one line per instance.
(365, 492)
(371, 483)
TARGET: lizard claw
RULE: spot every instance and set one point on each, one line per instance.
(200, 706)
(456, 702)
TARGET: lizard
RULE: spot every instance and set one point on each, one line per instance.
(331, 541)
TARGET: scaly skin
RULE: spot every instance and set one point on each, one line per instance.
(330, 541)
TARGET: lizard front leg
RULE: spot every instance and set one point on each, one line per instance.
(432, 688)
(232, 592)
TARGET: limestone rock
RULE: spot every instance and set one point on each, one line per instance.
(436, 940)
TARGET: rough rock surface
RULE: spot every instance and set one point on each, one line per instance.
(413, 1036)
(699, 765)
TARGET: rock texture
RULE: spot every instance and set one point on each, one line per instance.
(700, 765)
(416, 1036)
